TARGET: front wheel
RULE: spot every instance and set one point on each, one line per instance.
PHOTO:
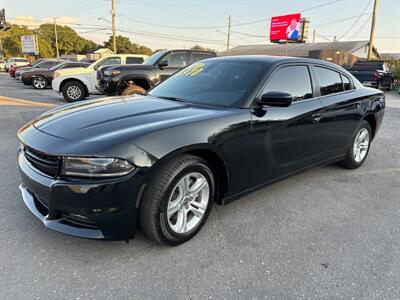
(178, 200)
(73, 91)
(358, 151)
(133, 89)
(39, 82)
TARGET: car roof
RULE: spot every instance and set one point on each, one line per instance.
(273, 60)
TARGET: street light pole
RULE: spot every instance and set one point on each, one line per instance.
(371, 37)
(113, 26)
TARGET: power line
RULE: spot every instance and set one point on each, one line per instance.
(356, 21)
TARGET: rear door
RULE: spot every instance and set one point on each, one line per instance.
(198, 55)
(286, 139)
(341, 110)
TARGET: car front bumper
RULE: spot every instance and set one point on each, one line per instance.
(88, 208)
(107, 88)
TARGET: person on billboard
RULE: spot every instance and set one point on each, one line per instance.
(291, 32)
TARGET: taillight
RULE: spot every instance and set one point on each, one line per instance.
(376, 75)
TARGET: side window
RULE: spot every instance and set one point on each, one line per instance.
(134, 60)
(108, 62)
(294, 80)
(346, 82)
(196, 56)
(47, 64)
(329, 81)
(176, 60)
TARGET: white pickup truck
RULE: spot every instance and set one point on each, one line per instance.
(78, 83)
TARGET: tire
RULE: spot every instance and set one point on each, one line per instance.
(132, 89)
(390, 87)
(73, 91)
(39, 82)
(168, 184)
(352, 161)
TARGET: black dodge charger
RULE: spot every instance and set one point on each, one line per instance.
(210, 133)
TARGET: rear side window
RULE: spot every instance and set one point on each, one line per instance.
(196, 56)
(134, 60)
(330, 81)
(48, 64)
(21, 60)
(294, 80)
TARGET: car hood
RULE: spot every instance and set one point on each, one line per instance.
(131, 67)
(119, 118)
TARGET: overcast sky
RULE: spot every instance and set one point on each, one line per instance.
(184, 23)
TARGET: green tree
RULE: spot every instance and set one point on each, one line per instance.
(126, 46)
(198, 47)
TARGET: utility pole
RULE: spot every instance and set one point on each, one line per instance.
(313, 37)
(113, 26)
(55, 32)
(229, 33)
(371, 37)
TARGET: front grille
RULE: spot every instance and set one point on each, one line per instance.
(47, 164)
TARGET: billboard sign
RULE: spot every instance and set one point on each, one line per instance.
(28, 44)
(284, 28)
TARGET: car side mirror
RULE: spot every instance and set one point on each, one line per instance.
(278, 99)
(163, 64)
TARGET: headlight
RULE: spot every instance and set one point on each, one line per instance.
(112, 72)
(56, 74)
(95, 167)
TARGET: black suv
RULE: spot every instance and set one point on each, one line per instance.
(137, 79)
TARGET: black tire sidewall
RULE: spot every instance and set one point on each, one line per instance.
(164, 226)
(77, 84)
(45, 80)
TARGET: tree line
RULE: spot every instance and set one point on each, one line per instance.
(69, 42)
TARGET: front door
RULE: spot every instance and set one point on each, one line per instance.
(176, 61)
(286, 139)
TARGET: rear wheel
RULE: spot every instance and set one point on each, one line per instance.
(39, 82)
(133, 89)
(178, 200)
(358, 151)
(73, 91)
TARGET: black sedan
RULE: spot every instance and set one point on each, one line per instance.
(42, 77)
(212, 132)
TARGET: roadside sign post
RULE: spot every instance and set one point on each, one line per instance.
(29, 44)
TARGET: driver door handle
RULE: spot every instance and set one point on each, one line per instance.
(316, 117)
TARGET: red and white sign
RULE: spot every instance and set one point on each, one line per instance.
(285, 27)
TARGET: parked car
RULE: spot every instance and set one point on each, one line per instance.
(42, 77)
(134, 79)
(43, 64)
(14, 69)
(2, 65)
(373, 73)
(210, 133)
(17, 62)
(78, 83)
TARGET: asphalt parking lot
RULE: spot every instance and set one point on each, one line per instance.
(326, 233)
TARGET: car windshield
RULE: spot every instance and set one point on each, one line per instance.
(154, 58)
(214, 82)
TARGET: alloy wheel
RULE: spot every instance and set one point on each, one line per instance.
(188, 203)
(39, 83)
(74, 92)
(361, 144)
